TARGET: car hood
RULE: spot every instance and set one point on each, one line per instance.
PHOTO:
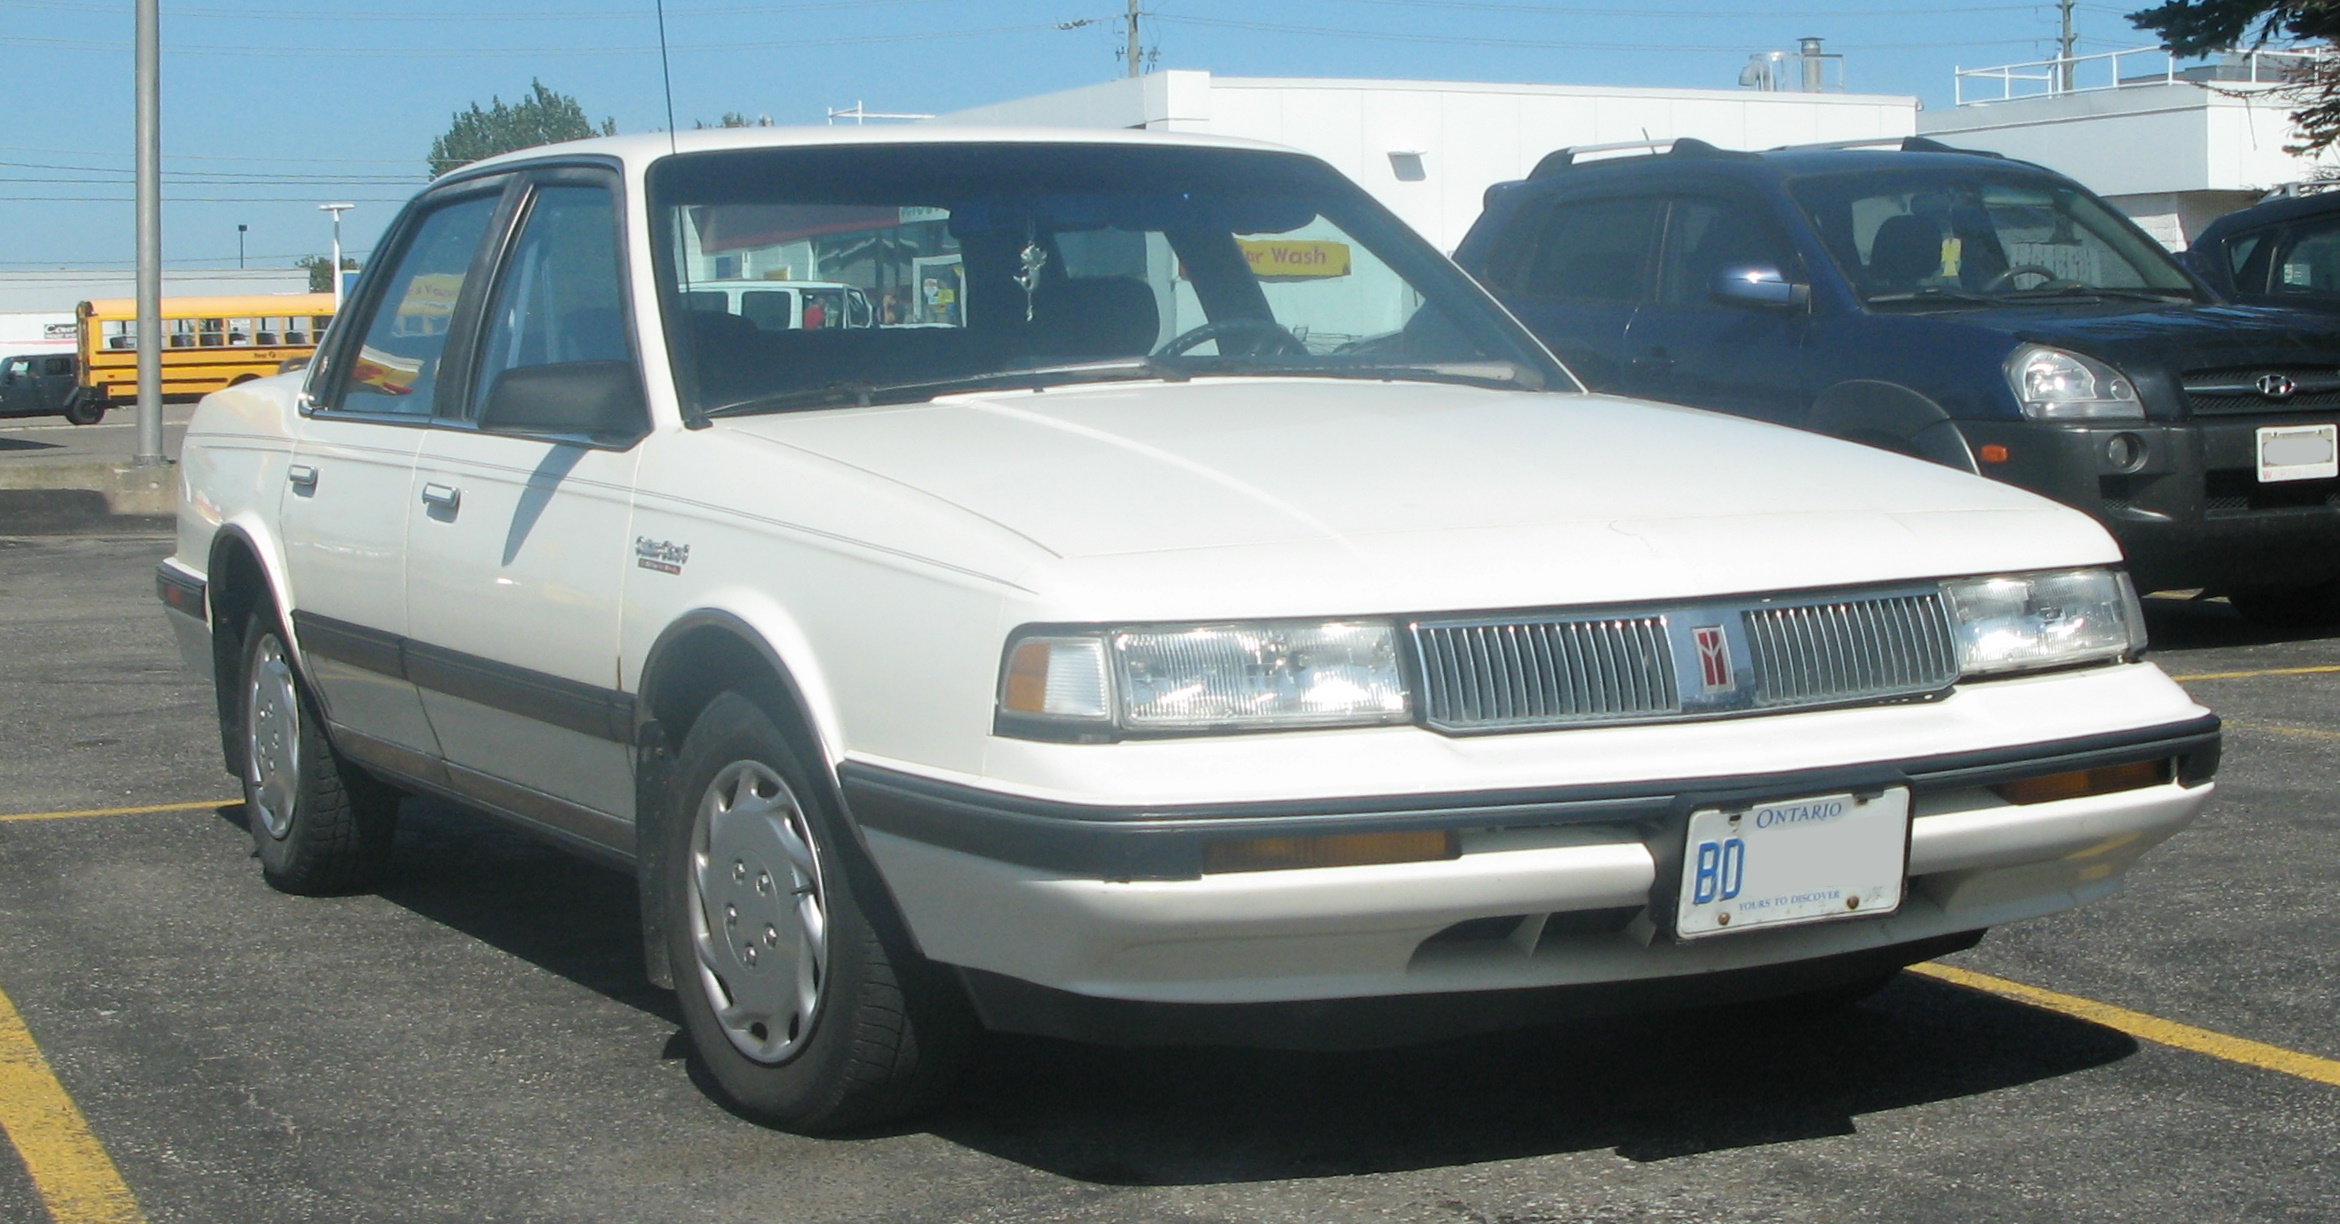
(2176, 337)
(1361, 493)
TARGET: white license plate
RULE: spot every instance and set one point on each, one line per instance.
(2298, 452)
(1793, 861)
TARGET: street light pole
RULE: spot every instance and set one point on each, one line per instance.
(240, 246)
(336, 209)
(148, 89)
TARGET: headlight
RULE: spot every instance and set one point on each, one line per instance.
(2053, 385)
(2019, 622)
(1194, 678)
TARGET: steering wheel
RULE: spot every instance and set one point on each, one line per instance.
(2052, 279)
(1275, 338)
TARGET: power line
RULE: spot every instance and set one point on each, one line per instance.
(1544, 45)
(345, 52)
(82, 6)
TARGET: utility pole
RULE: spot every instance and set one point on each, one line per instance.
(336, 209)
(1135, 66)
(2066, 43)
(148, 74)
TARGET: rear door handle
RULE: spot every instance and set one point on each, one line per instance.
(302, 477)
(445, 497)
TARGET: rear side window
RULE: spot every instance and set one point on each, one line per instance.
(1581, 250)
(2310, 260)
(396, 367)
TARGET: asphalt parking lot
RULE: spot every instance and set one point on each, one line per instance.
(474, 1041)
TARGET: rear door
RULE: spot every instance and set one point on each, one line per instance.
(1575, 269)
(1685, 347)
(343, 509)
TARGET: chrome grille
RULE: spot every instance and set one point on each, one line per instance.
(1659, 663)
(1547, 672)
(1850, 650)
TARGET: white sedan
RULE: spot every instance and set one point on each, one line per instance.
(1215, 621)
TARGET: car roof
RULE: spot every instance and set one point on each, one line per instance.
(1694, 157)
(2269, 212)
(650, 146)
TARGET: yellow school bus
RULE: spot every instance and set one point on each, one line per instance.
(208, 342)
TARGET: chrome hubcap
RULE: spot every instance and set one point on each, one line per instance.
(272, 739)
(759, 911)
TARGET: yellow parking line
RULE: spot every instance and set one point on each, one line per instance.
(2263, 671)
(122, 811)
(70, 1170)
(2149, 1028)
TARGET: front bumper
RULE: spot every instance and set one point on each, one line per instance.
(2190, 512)
(1553, 888)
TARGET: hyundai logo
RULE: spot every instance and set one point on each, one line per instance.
(2277, 386)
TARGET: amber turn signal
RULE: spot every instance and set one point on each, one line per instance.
(1330, 850)
(1992, 452)
(2081, 783)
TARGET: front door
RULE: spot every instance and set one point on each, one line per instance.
(518, 543)
(343, 508)
(1688, 348)
(1575, 270)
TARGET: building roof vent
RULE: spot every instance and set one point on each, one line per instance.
(1807, 69)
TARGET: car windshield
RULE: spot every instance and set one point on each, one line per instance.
(801, 276)
(1952, 237)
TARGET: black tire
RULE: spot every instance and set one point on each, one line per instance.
(2290, 607)
(884, 1030)
(320, 824)
(85, 409)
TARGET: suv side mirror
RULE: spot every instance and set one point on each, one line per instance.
(599, 399)
(1758, 285)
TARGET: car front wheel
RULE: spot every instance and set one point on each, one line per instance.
(320, 824)
(2290, 607)
(796, 982)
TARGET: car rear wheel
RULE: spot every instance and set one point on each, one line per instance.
(320, 824)
(85, 410)
(796, 982)
(2290, 607)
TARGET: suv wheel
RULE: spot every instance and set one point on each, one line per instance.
(320, 824)
(85, 410)
(796, 982)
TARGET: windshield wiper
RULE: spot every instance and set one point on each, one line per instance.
(1496, 373)
(2133, 293)
(862, 393)
(1958, 296)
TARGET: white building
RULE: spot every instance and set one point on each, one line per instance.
(2172, 146)
(36, 307)
(1429, 149)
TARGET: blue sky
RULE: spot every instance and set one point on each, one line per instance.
(272, 106)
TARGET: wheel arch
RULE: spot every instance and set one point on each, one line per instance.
(1873, 411)
(240, 575)
(697, 657)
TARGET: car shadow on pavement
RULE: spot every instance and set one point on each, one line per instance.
(525, 898)
(26, 444)
(1652, 1088)
(2192, 624)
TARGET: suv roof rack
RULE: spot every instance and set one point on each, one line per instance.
(1907, 144)
(1675, 146)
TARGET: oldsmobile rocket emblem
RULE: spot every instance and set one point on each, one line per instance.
(1714, 658)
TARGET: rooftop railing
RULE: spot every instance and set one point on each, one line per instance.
(2130, 68)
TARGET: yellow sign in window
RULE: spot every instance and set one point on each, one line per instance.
(1274, 259)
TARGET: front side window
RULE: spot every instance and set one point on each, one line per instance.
(396, 366)
(1947, 237)
(1706, 236)
(559, 300)
(2310, 259)
(798, 277)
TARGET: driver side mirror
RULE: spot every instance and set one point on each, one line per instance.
(1758, 285)
(599, 399)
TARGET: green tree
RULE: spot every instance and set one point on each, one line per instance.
(732, 119)
(542, 117)
(321, 280)
(2200, 27)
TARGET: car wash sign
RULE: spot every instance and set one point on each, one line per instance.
(1291, 259)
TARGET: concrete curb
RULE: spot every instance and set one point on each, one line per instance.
(99, 496)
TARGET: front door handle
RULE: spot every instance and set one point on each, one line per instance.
(445, 497)
(301, 477)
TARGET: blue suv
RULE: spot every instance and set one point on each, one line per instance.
(1980, 312)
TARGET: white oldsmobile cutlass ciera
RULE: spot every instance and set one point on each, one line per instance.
(1194, 612)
